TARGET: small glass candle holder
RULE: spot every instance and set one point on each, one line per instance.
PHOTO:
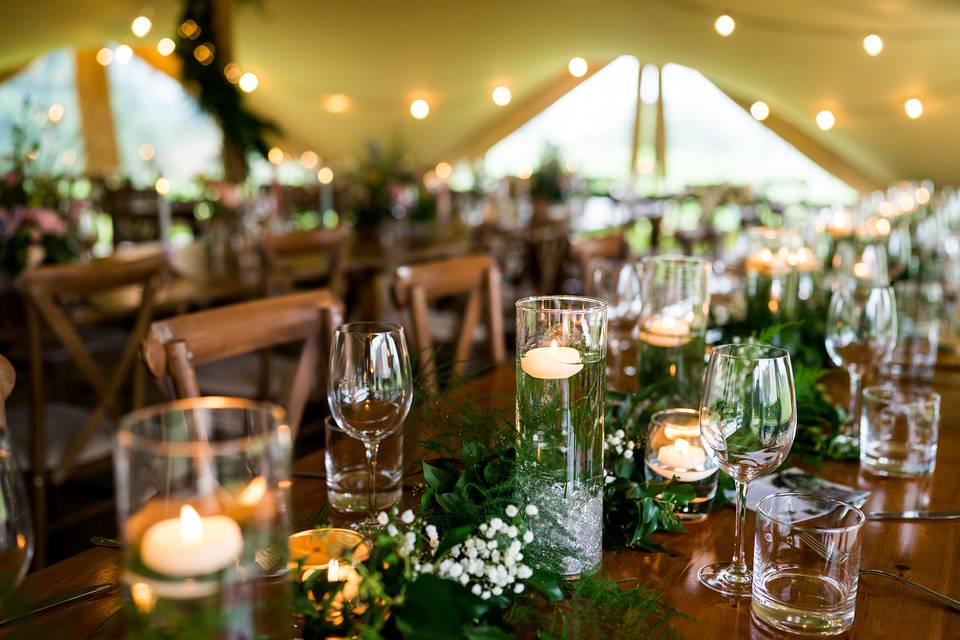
(334, 554)
(674, 450)
(203, 505)
(673, 320)
(780, 273)
(561, 376)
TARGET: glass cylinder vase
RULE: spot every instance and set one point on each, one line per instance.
(561, 352)
(203, 506)
(673, 321)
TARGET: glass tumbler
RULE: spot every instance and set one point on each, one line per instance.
(203, 505)
(805, 564)
(673, 322)
(899, 431)
(561, 375)
(348, 483)
(918, 330)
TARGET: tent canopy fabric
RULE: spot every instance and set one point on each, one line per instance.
(798, 56)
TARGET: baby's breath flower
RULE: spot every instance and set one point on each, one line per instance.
(532, 510)
(528, 536)
(383, 518)
(518, 588)
(407, 517)
(392, 530)
(512, 511)
(628, 454)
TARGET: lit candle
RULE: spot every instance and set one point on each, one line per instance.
(666, 331)
(191, 545)
(683, 460)
(861, 271)
(551, 363)
(326, 550)
(841, 224)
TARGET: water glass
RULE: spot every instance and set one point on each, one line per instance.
(618, 283)
(806, 560)
(348, 483)
(918, 330)
(16, 530)
(899, 430)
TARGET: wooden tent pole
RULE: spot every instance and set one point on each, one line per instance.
(96, 116)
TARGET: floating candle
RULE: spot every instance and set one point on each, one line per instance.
(191, 545)
(665, 331)
(551, 363)
(683, 460)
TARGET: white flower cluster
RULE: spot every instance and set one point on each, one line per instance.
(619, 444)
(489, 563)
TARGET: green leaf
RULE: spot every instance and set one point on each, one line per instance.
(546, 583)
(435, 476)
(453, 537)
(473, 453)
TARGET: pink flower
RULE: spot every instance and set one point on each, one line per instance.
(48, 221)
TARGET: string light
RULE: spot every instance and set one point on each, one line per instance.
(275, 155)
(105, 56)
(189, 29)
(55, 113)
(325, 175)
(873, 44)
(249, 82)
(141, 26)
(724, 25)
(419, 108)
(502, 96)
(826, 120)
(309, 159)
(123, 54)
(913, 108)
(146, 152)
(204, 53)
(166, 46)
(443, 170)
(760, 110)
(336, 103)
(162, 185)
(232, 73)
(577, 67)
(922, 195)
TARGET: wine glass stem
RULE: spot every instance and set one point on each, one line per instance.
(739, 564)
(853, 413)
(372, 449)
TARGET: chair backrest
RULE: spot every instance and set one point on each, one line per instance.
(46, 289)
(326, 251)
(8, 377)
(478, 277)
(175, 346)
(586, 250)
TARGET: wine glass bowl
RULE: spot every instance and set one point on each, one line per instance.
(748, 420)
(370, 388)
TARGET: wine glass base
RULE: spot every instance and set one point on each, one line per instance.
(368, 528)
(717, 576)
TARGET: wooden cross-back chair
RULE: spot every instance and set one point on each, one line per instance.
(49, 292)
(174, 347)
(587, 249)
(331, 246)
(8, 377)
(478, 276)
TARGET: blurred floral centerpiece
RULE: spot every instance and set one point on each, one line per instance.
(386, 187)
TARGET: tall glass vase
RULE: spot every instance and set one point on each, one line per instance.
(673, 320)
(561, 352)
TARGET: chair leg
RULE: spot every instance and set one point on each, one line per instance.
(139, 384)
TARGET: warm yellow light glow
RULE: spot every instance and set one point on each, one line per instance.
(254, 491)
(443, 170)
(55, 112)
(249, 82)
(886, 208)
(922, 195)
(760, 110)
(191, 525)
(525, 174)
(883, 226)
(143, 596)
(419, 108)
(147, 152)
(325, 175)
(502, 96)
(724, 25)
(68, 157)
(189, 29)
(873, 44)
(275, 155)
(913, 108)
(232, 73)
(309, 159)
(906, 202)
(162, 185)
(333, 571)
(141, 26)
(204, 53)
(826, 120)
(166, 46)
(577, 67)
(336, 103)
(105, 56)
(123, 54)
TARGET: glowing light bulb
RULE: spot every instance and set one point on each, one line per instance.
(760, 110)
(826, 120)
(162, 186)
(336, 103)
(922, 195)
(325, 175)
(443, 170)
(275, 155)
(249, 82)
(419, 108)
(724, 25)
(232, 73)
(105, 56)
(55, 113)
(147, 152)
(123, 54)
(873, 44)
(309, 159)
(166, 46)
(502, 96)
(913, 108)
(141, 26)
(577, 67)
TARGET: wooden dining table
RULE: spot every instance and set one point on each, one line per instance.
(925, 552)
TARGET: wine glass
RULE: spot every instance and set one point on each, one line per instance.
(370, 390)
(618, 283)
(861, 332)
(748, 418)
(16, 530)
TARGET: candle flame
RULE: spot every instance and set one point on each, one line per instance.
(253, 492)
(682, 446)
(861, 270)
(191, 525)
(554, 350)
(333, 571)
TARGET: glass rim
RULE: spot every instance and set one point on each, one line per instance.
(722, 350)
(127, 438)
(873, 392)
(368, 327)
(857, 511)
(660, 415)
(592, 305)
(675, 257)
